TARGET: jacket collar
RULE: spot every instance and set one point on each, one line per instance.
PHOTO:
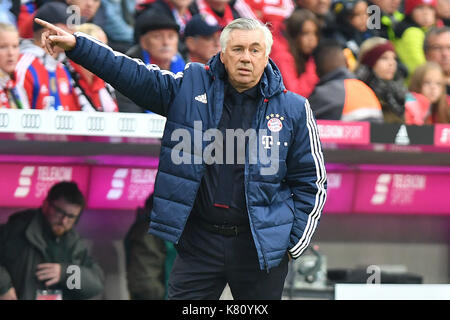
(271, 82)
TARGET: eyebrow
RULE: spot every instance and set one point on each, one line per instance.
(253, 44)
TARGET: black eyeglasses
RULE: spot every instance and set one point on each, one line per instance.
(61, 213)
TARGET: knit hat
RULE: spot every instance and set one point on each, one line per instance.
(410, 5)
(53, 12)
(371, 57)
(201, 25)
(153, 20)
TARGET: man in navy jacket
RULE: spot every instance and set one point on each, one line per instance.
(239, 220)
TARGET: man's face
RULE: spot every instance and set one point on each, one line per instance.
(439, 51)
(443, 9)
(161, 44)
(61, 215)
(204, 47)
(319, 7)
(245, 58)
(88, 8)
(9, 51)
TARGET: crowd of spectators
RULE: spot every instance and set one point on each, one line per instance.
(399, 51)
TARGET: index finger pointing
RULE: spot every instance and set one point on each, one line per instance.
(46, 24)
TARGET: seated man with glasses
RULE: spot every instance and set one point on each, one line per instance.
(40, 251)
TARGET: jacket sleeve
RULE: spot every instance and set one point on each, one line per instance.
(148, 86)
(306, 176)
(91, 278)
(5, 278)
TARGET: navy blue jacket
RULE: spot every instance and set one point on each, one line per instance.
(284, 208)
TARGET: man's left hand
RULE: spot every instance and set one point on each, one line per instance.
(50, 272)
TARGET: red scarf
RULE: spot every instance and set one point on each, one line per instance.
(204, 8)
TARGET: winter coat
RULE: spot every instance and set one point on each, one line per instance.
(285, 196)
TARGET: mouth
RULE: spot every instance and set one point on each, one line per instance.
(87, 13)
(244, 71)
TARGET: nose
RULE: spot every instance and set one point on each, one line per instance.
(245, 56)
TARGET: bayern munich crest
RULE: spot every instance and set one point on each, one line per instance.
(274, 122)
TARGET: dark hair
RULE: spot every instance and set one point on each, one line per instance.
(434, 31)
(328, 56)
(294, 27)
(344, 10)
(68, 191)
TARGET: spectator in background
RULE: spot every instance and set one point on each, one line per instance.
(429, 80)
(390, 17)
(268, 11)
(202, 38)
(443, 12)
(149, 259)
(11, 94)
(6, 14)
(378, 69)
(294, 43)
(25, 10)
(158, 41)
(93, 93)
(351, 27)
(90, 11)
(37, 246)
(437, 49)
(45, 79)
(118, 24)
(180, 11)
(323, 12)
(222, 10)
(339, 95)
(420, 15)
(158, 44)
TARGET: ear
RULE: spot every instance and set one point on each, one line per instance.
(221, 56)
(189, 43)
(142, 43)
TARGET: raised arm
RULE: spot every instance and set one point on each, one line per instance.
(148, 86)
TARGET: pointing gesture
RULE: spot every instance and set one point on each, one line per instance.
(55, 37)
